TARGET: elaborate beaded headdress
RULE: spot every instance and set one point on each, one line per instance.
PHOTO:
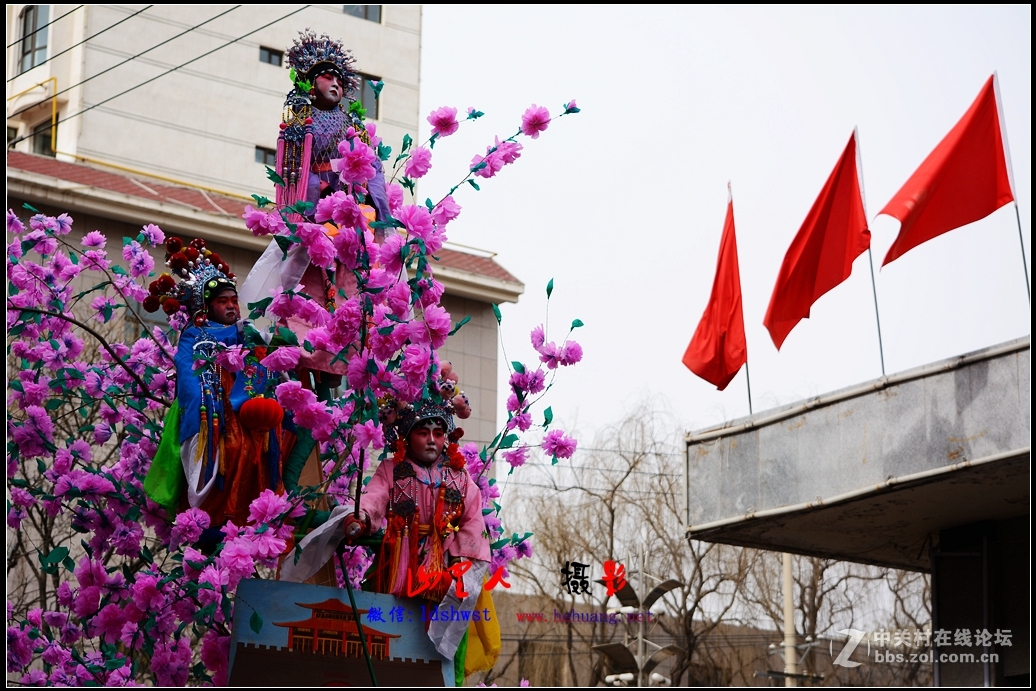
(202, 273)
(442, 401)
(311, 56)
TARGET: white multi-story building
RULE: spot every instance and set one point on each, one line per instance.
(130, 114)
(190, 92)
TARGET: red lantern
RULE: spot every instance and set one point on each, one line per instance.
(260, 414)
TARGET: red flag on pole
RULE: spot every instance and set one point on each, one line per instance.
(964, 179)
(718, 348)
(822, 253)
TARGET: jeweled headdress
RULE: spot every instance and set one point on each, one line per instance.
(202, 273)
(442, 401)
(311, 55)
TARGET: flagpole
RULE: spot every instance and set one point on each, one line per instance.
(1025, 264)
(748, 380)
(877, 317)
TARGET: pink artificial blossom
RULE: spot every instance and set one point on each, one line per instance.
(558, 445)
(356, 165)
(535, 120)
(394, 191)
(264, 222)
(444, 121)
(419, 163)
(94, 239)
(14, 224)
(390, 253)
(417, 220)
(369, 434)
(232, 358)
(445, 211)
(267, 507)
(140, 262)
(571, 353)
(314, 239)
(282, 359)
(152, 233)
(189, 525)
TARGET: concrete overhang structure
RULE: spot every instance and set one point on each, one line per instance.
(926, 470)
(869, 473)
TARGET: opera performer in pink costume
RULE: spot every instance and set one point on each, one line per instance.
(431, 512)
(318, 122)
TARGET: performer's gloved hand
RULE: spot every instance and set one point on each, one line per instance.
(357, 527)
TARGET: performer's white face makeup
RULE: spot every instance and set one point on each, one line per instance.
(426, 441)
(327, 92)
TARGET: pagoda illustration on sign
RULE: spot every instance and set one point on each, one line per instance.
(312, 638)
(332, 629)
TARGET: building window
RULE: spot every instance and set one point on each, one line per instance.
(369, 12)
(271, 56)
(365, 95)
(34, 36)
(12, 134)
(268, 157)
(41, 139)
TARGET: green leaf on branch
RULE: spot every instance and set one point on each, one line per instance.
(550, 287)
(518, 367)
(408, 183)
(509, 441)
(50, 561)
(377, 86)
(258, 309)
(553, 460)
(407, 141)
(462, 322)
(548, 417)
(475, 115)
(287, 337)
(576, 323)
(429, 204)
(69, 564)
(301, 208)
(431, 140)
(30, 207)
(114, 663)
(284, 243)
(272, 175)
(474, 184)
(384, 151)
(261, 202)
(496, 312)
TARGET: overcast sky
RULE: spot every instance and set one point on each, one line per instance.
(623, 204)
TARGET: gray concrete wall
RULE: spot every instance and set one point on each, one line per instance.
(967, 408)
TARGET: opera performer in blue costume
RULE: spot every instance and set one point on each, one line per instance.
(225, 439)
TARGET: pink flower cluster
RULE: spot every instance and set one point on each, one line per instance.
(264, 222)
(443, 121)
(498, 155)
